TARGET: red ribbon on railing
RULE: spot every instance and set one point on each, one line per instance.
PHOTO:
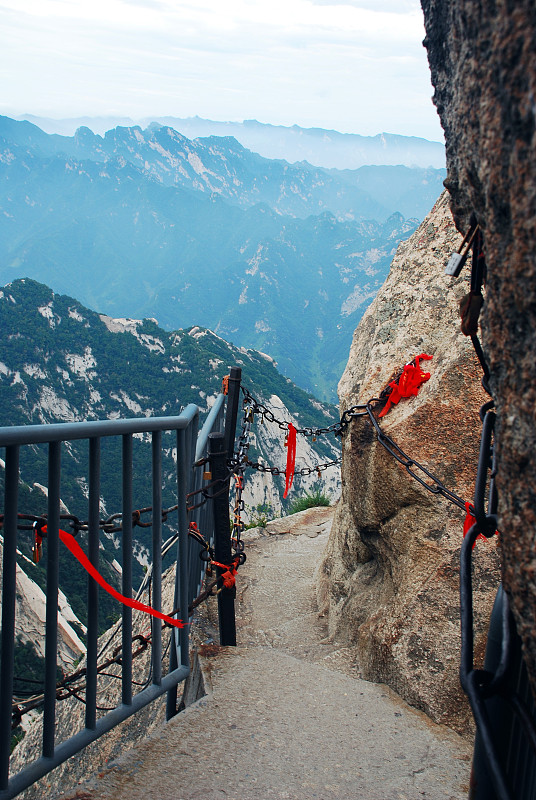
(291, 457)
(229, 573)
(71, 544)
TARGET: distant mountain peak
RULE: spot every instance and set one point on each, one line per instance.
(149, 222)
(319, 146)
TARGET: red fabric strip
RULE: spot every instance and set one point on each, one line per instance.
(291, 458)
(71, 544)
(468, 523)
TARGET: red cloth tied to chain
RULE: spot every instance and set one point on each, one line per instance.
(71, 544)
(229, 576)
(291, 458)
(468, 523)
(408, 383)
(38, 543)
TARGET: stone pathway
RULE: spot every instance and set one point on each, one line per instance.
(286, 716)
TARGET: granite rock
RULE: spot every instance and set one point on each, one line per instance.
(389, 580)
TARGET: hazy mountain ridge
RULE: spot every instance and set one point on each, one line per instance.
(324, 148)
(221, 165)
(62, 362)
(110, 234)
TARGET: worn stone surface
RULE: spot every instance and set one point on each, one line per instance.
(287, 716)
(483, 64)
(389, 579)
(311, 521)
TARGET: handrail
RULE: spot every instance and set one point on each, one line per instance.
(191, 446)
(70, 431)
(212, 423)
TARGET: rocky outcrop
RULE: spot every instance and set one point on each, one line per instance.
(483, 66)
(389, 579)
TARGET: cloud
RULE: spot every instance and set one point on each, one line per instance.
(355, 65)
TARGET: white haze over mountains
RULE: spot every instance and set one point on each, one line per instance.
(351, 65)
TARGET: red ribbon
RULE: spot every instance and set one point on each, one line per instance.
(71, 544)
(291, 458)
(408, 383)
(468, 523)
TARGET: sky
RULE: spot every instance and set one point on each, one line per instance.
(356, 66)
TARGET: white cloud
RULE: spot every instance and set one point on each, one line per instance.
(355, 65)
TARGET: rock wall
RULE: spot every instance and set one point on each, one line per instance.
(389, 580)
(483, 63)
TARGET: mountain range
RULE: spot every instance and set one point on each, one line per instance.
(324, 148)
(62, 362)
(146, 223)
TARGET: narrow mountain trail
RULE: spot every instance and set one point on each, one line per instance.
(286, 716)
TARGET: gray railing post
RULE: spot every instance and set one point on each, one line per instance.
(8, 608)
(231, 413)
(51, 620)
(93, 546)
(222, 535)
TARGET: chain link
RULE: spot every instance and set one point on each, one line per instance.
(72, 685)
(304, 471)
(337, 428)
(413, 467)
(109, 525)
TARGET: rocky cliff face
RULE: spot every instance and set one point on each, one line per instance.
(389, 579)
(482, 60)
(30, 617)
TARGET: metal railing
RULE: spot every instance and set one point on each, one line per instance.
(189, 574)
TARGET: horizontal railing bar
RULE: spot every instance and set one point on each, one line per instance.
(80, 740)
(63, 431)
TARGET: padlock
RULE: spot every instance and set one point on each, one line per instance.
(455, 264)
(457, 260)
(207, 476)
